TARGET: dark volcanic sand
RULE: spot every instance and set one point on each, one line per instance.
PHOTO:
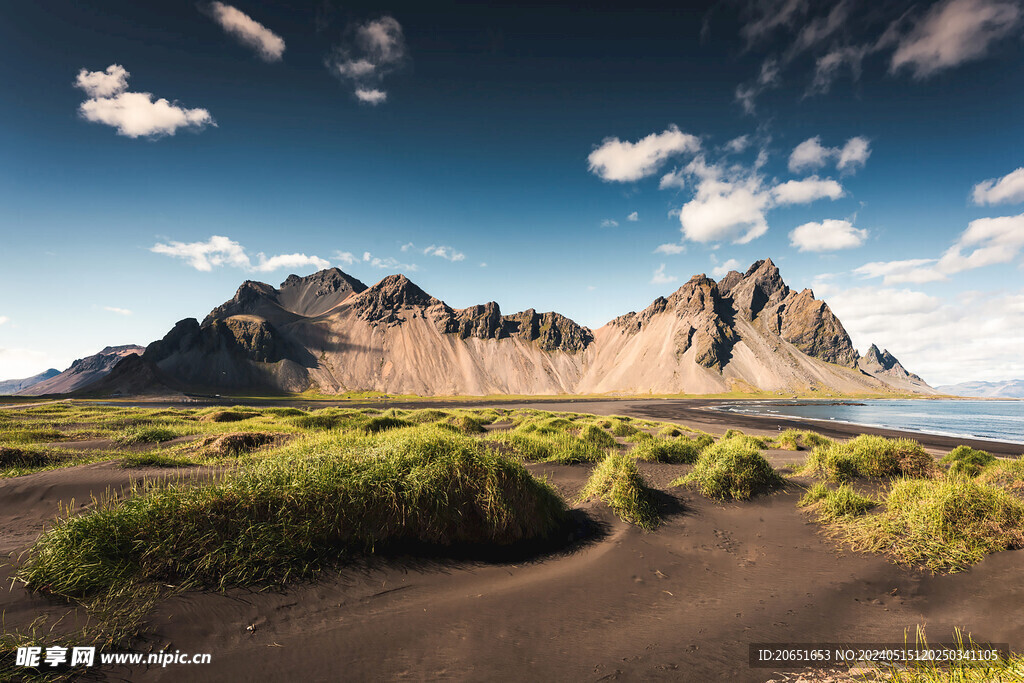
(681, 603)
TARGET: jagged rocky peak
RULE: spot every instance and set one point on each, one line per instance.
(483, 321)
(248, 299)
(245, 336)
(762, 286)
(383, 301)
(811, 326)
(324, 282)
(318, 293)
(878, 362)
(550, 331)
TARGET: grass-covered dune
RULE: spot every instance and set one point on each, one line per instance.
(285, 517)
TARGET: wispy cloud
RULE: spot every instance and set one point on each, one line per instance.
(985, 242)
(133, 114)
(609, 223)
(373, 50)
(444, 252)
(660, 278)
(1006, 190)
(222, 251)
(723, 268)
(268, 45)
(811, 155)
(633, 217)
(618, 161)
(119, 311)
(953, 32)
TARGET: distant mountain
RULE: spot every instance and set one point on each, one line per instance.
(13, 386)
(331, 333)
(83, 371)
(1011, 388)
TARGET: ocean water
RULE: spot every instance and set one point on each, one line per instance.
(995, 420)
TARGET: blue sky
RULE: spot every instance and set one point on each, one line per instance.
(499, 154)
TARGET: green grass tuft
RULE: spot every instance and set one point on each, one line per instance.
(871, 456)
(282, 518)
(1005, 474)
(831, 504)
(942, 524)
(593, 434)
(558, 447)
(731, 468)
(617, 481)
(966, 461)
(383, 423)
(677, 451)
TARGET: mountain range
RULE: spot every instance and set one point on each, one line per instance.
(1011, 388)
(330, 333)
(82, 372)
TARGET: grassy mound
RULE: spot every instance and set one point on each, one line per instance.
(383, 423)
(967, 461)
(153, 460)
(227, 416)
(593, 434)
(618, 483)
(467, 424)
(829, 505)
(235, 443)
(942, 524)
(558, 447)
(798, 440)
(147, 434)
(678, 451)
(1005, 474)
(25, 458)
(731, 468)
(426, 415)
(282, 518)
(620, 427)
(871, 456)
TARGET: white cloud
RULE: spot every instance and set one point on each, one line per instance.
(371, 95)
(407, 246)
(375, 50)
(444, 252)
(670, 249)
(633, 217)
(672, 180)
(747, 93)
(483, 264)
(660, 278)
(985, 242)
(615, 160)
(1006, 190)
(854, 153)
(953, 32)
(811, 155)
(103, 83)
(133, 114)
(347, 257)
(827, 67)
(828, 235)
(248, 31)
(4, 320)
(916, 271)
(988, 241)
(388, 263)
(723, 268)
(221, 251)
(975, 337)
(730, 202)
(806, 191)
(726, 211)
(738, 144)
(119, 311)
(609, 223)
